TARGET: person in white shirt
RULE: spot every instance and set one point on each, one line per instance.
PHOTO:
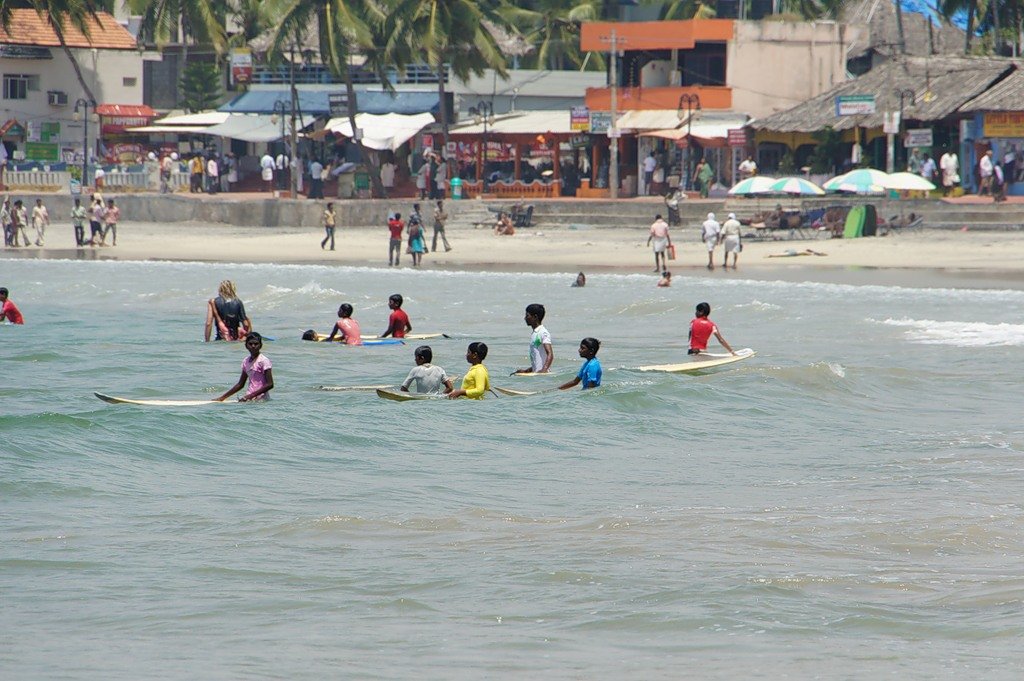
(950, 166)
(650, 163)
(387, 175)
(731, 240)
(927, 170)
(267, 170)
(985, 171)
(212, 176)
(748, 168)
(429, 379)
(441, 178)
(40, 220)
(710, 233)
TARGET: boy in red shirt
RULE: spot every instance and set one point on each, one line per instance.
(398, 322)
(701, 329)
(395, 225)
(9, 310)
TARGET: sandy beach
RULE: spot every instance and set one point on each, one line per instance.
(921, 259)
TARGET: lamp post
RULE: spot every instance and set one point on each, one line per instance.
(691, 103)
(483, 111)
(281, 108)
(894, 128)
(903, 94)
(84, 104)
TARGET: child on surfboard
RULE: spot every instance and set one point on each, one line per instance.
(398, 322)
(476, 381)
(256, 369)
(701, 329)
(590, 372)
(348, 327)
(541, 352)
(429, 379)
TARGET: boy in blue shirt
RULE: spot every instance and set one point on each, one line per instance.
(590, 372)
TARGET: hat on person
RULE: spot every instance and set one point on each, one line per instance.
(732, 216)
(711, 216)
(151, 156)
(174, 156)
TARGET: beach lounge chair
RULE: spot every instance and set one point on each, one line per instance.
(910, 222)
(524, 218)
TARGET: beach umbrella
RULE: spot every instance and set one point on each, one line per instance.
(908, 182)
(753, 185)
(859, 181)
(797, 185)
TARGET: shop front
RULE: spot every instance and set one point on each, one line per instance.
(117, 143)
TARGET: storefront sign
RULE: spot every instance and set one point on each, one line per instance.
(919, 137)
(579, 141)
(125, 152)
(338, 103)
(42, 151)
(579, 119)
(855, 105)
(739, 137)
(24, 52)
(428, 141)
(241, 65)
(600, 121)
(1004, 124)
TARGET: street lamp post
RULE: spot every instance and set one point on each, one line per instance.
(893, 130)
(84, 104)
(691, 103)
(904, 94)
(483, 111)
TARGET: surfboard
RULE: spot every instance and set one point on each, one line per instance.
(322, 338)
(531, 374)
(411, 336)
(509, 392)
(706, 362)
(155, 403)
(399, 396)
(368, 388)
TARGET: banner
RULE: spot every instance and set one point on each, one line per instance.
(1004, 124)
(579, 119)
(42, 151)
(241, 65)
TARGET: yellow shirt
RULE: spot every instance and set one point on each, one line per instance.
(476, 382)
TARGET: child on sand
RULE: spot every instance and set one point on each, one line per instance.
(701, 329)
(429, 379)
(541, 352)
(590, 372)
(348, 327)
(398, 322)
(476, 381)
(256, 368)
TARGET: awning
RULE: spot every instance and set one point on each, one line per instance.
(521, 123)
(388, 131)
(116, 118)
(12, 128)
(198, 119)
(316, 102)
(706, 129)
(170, 129)
(649, 119)
(255, 128)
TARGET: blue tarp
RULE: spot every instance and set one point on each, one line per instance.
(315, 102)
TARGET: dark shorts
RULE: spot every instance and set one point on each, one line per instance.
(694, 351)
(95, 227)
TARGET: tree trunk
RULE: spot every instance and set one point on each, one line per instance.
(442, 111)
(353, 108)
(74, 64)
(970, 26)
(900, 36)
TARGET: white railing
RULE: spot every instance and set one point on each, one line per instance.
(36, 178)
(141, 180)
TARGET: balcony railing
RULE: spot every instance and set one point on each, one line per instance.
(415, 74)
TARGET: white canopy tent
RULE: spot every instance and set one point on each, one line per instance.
(387, 131)
(256, 127)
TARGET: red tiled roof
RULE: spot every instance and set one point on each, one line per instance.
(126, 110)
(29, 28)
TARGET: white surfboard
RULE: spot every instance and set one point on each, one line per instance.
(399, 396)
(509, 392)
(155, 403)
(702, 362)
(410, 336)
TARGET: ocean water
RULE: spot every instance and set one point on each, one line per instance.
(845, 505)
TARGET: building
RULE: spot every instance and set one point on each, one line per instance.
(41, 91)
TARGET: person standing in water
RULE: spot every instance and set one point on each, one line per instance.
(256, 369)
(541, 352)
(477, 380)
(229, 314)
(590, 373)
(701, 329)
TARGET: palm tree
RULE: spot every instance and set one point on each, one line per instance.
(553, 26)
(452, 32)
(340, 25)
(81, 14)
(974, 8)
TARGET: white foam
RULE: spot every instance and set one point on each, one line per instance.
(960, 334)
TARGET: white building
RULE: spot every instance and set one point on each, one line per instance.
(40, 88)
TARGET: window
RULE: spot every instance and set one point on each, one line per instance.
(129, 82)
(16, 86)
(704, 64)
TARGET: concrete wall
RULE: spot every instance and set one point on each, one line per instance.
(774, 65)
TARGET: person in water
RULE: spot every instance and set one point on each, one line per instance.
(701, 329)
(581, 281)
(666, 280)
(477, 380)
(8, 310)
(541, 352)
(346, 326)
(590, 373)
(398, 322)
(429, 379)
(256, 369)
(229, 314)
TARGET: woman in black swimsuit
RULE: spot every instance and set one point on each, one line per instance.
(226, 313)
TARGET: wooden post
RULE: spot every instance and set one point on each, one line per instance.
(557, 166)
(519, 160)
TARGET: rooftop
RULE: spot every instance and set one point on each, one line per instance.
(29, 28)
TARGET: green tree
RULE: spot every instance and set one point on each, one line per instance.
(201, 85)
(827, 152)
(553, 28)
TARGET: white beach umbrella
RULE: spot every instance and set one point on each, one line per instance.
(753, 185)
(797, 185)
(908, 182)
(860, 181)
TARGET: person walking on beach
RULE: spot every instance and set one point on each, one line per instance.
(40, 221)
(395, 227)
(417, 243)
(111, 216)
(19, 221)
(328, 219)
(7, 221)
(590, 373)
(8, 310)
(662, 240)
(346, 326)
(701, 329)
(228, 313)
(256, 369)
(78, 217)
(440, 220)
(398, 321)
(541, 352)
(429, 379)
(477, 380)
(731, 240)
(710, 233)
(97, 212)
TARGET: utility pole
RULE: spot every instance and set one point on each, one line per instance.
(613, 131)
(295, 168)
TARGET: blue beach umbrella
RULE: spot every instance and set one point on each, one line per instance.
(798, 186)
(753, 185)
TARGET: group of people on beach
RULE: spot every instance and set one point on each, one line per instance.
(712, 234)
(232, 323)
(416, 233)
(101, 216)
(15, 220)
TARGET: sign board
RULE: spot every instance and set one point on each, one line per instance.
(579, 119)
(338, 103)
(855, 105)
(42, 151)
(614, 133)
(1004, 124)
(241, 65)
(579, 141)
(919, 137)
(739, 137)
(891, 123)
(24, 52)
(600, 121)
